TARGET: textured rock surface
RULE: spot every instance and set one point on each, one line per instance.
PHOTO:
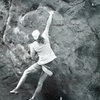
(75, 38)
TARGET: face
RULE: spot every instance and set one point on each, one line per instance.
(35, 34)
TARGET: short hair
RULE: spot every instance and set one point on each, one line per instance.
(40, 39)
(36, 33)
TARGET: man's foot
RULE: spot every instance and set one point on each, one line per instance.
(31, 99)
(14, 91)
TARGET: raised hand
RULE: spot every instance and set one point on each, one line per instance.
(51, 12)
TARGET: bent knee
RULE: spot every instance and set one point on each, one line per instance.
(26, 72)
(40, 84)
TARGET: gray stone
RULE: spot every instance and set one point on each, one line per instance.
(74, 36)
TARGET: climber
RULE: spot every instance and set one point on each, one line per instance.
(42, 47)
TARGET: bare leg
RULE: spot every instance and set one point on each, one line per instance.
(31, 69)
(39, 86)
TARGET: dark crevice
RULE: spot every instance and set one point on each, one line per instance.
(67, 1)
(82, 51)
(63, 10)
(93, 30)
(75, 4)
(95, 91)
(4, 78)
(51, 6)
(96, 34)
(70, 70)
(72, 3)
(33, 7)
(1, 17)
(1, 66)
(6, 2)
(97, 53)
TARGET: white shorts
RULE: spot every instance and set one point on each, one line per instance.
(46, 70)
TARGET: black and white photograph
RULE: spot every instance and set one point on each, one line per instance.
(49, 49)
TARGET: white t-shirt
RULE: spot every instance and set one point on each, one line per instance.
(44, 51)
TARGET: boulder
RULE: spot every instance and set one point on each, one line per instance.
(74, 37)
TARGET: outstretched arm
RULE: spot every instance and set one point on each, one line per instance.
(48, 23)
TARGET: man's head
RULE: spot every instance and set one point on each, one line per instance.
(35, 34)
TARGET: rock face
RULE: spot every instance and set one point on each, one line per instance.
(75, 39)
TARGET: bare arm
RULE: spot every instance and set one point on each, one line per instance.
(32, 51)
(48, 23)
